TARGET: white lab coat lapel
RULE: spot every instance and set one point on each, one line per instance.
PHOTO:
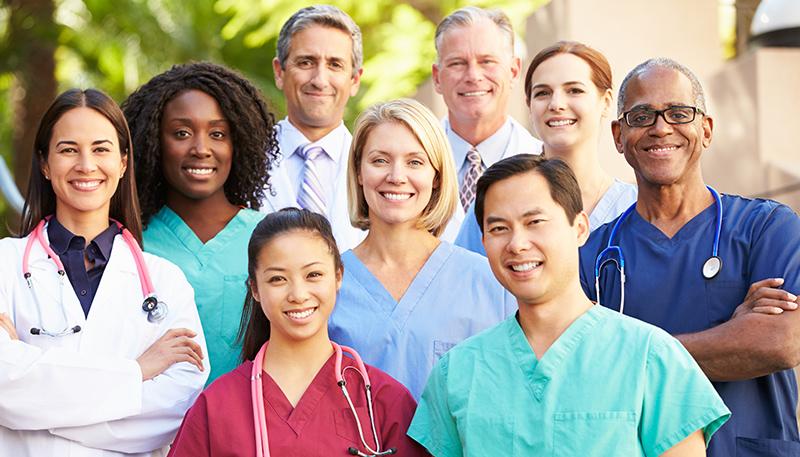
(48, 289)
(117, 299)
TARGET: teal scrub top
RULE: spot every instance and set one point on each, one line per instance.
(609, 385)
(217, 271)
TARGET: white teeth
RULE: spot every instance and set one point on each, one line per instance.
(525, 266)
(561, 122)
(665, 149)
(200, 171)
(396, 196)
(86, 185)
(476, 93)
(300, 314)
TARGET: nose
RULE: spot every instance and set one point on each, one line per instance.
(298, 293)
(519, 242)
(556, 101)
(474, 72)
(661, 127)
(200, 146)
(319, 78)
(397, 174)
(86, 162)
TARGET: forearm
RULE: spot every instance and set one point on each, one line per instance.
(747, 346)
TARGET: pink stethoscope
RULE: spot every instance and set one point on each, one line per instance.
(259, 416)
(156, 310)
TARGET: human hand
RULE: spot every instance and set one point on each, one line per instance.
(174, 347)
(764, 297)
(8, 326)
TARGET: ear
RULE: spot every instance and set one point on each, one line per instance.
(276, 68)
(608, 100)
(339, 276)
(435, 75)
(124, 165)
(356, 82)
(516, 68)
(253, 289)
(616, 132)
(45, 168)
(708, 129)
(581, 225)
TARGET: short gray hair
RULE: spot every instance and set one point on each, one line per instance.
(470, 15)
(662, 62)
(326, 16)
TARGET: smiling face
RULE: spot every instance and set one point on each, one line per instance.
(531, 245)
(196, 146)
(396, 175)
(318, 79)
(662, 154)
(84, 163)
(475, 73)
(566, 107)
(296, 284)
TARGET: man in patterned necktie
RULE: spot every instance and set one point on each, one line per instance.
(318, 68)
(475, 72)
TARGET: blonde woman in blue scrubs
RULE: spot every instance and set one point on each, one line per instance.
(205, 142)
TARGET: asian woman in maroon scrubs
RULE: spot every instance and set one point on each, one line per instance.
(294, 273)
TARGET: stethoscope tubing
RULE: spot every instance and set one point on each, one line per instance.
(37, 236)
(619, 261)
(259, 414)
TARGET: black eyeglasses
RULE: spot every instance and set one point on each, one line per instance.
(645, 117)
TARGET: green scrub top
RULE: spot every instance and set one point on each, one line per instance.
(609, 385)
(217, 271)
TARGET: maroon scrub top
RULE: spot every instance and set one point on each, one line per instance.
(221, 421)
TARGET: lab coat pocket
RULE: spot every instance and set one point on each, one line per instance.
(595, 433)
(233, 296)
(762, 447)
(346, 428)
(722, 298)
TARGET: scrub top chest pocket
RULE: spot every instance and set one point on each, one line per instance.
(595, 433)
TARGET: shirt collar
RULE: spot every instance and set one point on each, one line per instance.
(62, 240)
(291, 138)
(491, 149)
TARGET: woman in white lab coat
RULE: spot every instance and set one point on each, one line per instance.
(88, 365)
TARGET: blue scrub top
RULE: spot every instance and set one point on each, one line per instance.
(217, 271)
(453, 296)
(664, 286)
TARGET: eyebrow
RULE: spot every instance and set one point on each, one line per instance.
(529, 213)
(667, 104)
(75, 143)
(311, 264)
(186, 120)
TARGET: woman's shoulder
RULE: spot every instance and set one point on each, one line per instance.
(232, 386)
(391, 388)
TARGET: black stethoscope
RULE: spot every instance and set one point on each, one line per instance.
(156, 310)
(711, 267)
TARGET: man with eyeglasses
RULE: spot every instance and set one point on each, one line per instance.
(716, 271)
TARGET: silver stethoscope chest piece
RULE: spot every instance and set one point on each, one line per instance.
(712, 266)
(158, 313)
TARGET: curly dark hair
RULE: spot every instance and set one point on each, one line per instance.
(255, 144)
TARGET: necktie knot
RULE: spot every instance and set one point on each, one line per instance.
(309, 152)
(474, 158)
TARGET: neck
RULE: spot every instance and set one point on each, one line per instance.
(396, 244)
(311, 132)
(476, 131)
(584, 162)
(213, 211)
(544, 322)
(86, 225)
(292, 358)
(670, 207)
